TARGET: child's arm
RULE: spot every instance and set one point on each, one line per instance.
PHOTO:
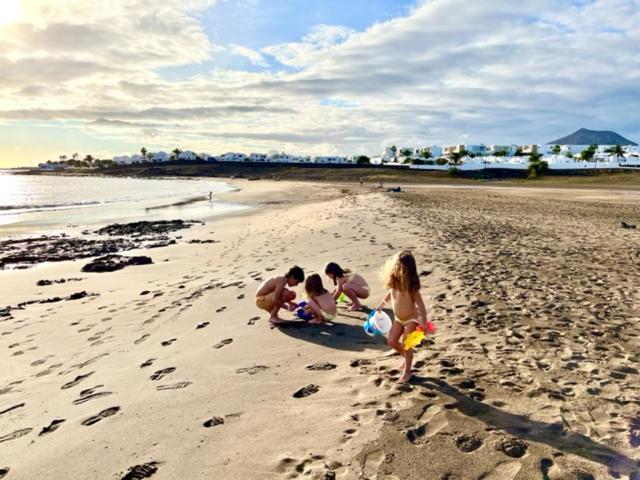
(338, 290)
(385, 300)
(277, 293)
(422, 310)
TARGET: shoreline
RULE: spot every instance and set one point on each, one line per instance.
(630, 180)
(175, 358)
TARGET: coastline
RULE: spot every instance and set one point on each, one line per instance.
(192, 310)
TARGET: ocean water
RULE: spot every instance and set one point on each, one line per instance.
(35, 203)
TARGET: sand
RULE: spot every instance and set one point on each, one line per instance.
(167, 371)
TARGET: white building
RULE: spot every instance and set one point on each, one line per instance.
(258, 157)
(232, 157)
(330, 160)
(160, 157)
(510, 150)
(188, 155)
(436, 151)
(387, 155)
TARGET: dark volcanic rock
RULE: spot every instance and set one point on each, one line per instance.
(30, 251)
(137, 229)
(111, 263)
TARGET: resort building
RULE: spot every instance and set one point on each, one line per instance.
(160, 157)
(529, 149)
(188, 155)
(258, 157)
(451, 149)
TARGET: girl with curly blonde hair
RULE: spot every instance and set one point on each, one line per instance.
(400, 276)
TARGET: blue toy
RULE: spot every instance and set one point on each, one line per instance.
(302, 314)
(378, 323)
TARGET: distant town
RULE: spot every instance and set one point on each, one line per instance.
(464, 157)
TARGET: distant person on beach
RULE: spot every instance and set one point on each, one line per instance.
(273, 294)
(400, 276)
(321, 303)
(354, 286)
(210, 196)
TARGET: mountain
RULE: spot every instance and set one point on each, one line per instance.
(590, 137)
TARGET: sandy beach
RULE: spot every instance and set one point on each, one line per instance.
(168, 371)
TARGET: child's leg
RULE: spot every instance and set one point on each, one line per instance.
(394, 337)
(316, 311)
(354, 292)
(274, 318)
(408, 354)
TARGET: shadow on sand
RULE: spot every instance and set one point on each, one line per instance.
(552, 434)
(341, 336)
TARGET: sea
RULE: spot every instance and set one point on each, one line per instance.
(51, 203)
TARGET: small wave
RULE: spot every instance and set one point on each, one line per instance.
(46, 206)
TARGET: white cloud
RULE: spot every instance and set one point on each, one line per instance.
(253, 56)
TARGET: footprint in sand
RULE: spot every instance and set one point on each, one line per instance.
(223, 343)
(201, 325)
(15, 435)
(221, 309)
(77, 380)
(4, 472)
(253, 320)
(175, 386)
(160, 374)
(503, 471)
(306, 391)
(52, 427)
(371, 463)
(90, 394)
(513, 448)
(252, 370)
(468, 443)
(147, 363)
(321, 366)
(141, 339)
(139, 472)
(7, 410)
(100, 416)
(213, 422)
(166, 343)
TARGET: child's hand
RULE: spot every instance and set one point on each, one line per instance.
(292, 307)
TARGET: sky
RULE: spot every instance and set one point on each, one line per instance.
(315, 77)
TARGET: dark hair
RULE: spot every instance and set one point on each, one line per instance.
(296, 273)
(336, 270)
(313, 286)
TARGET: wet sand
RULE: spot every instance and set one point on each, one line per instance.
(168, 371)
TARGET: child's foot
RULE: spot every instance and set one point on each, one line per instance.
(405, 378)
(315, 321)
(276, 320)
(355, 307)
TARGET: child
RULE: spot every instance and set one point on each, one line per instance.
(272, 294)
(353, 285)
(400, 276)
(321, 302)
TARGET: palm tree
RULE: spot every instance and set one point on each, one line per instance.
(616, 150)
(176, 153)
(143, 151)
(456, 157)
(556, 150)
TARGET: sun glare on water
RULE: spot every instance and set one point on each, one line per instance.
(9, 11)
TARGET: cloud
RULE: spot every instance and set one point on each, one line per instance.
(497, 71)
(253, 56)
(320, 40)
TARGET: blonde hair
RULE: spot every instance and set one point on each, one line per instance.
(400, 273)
